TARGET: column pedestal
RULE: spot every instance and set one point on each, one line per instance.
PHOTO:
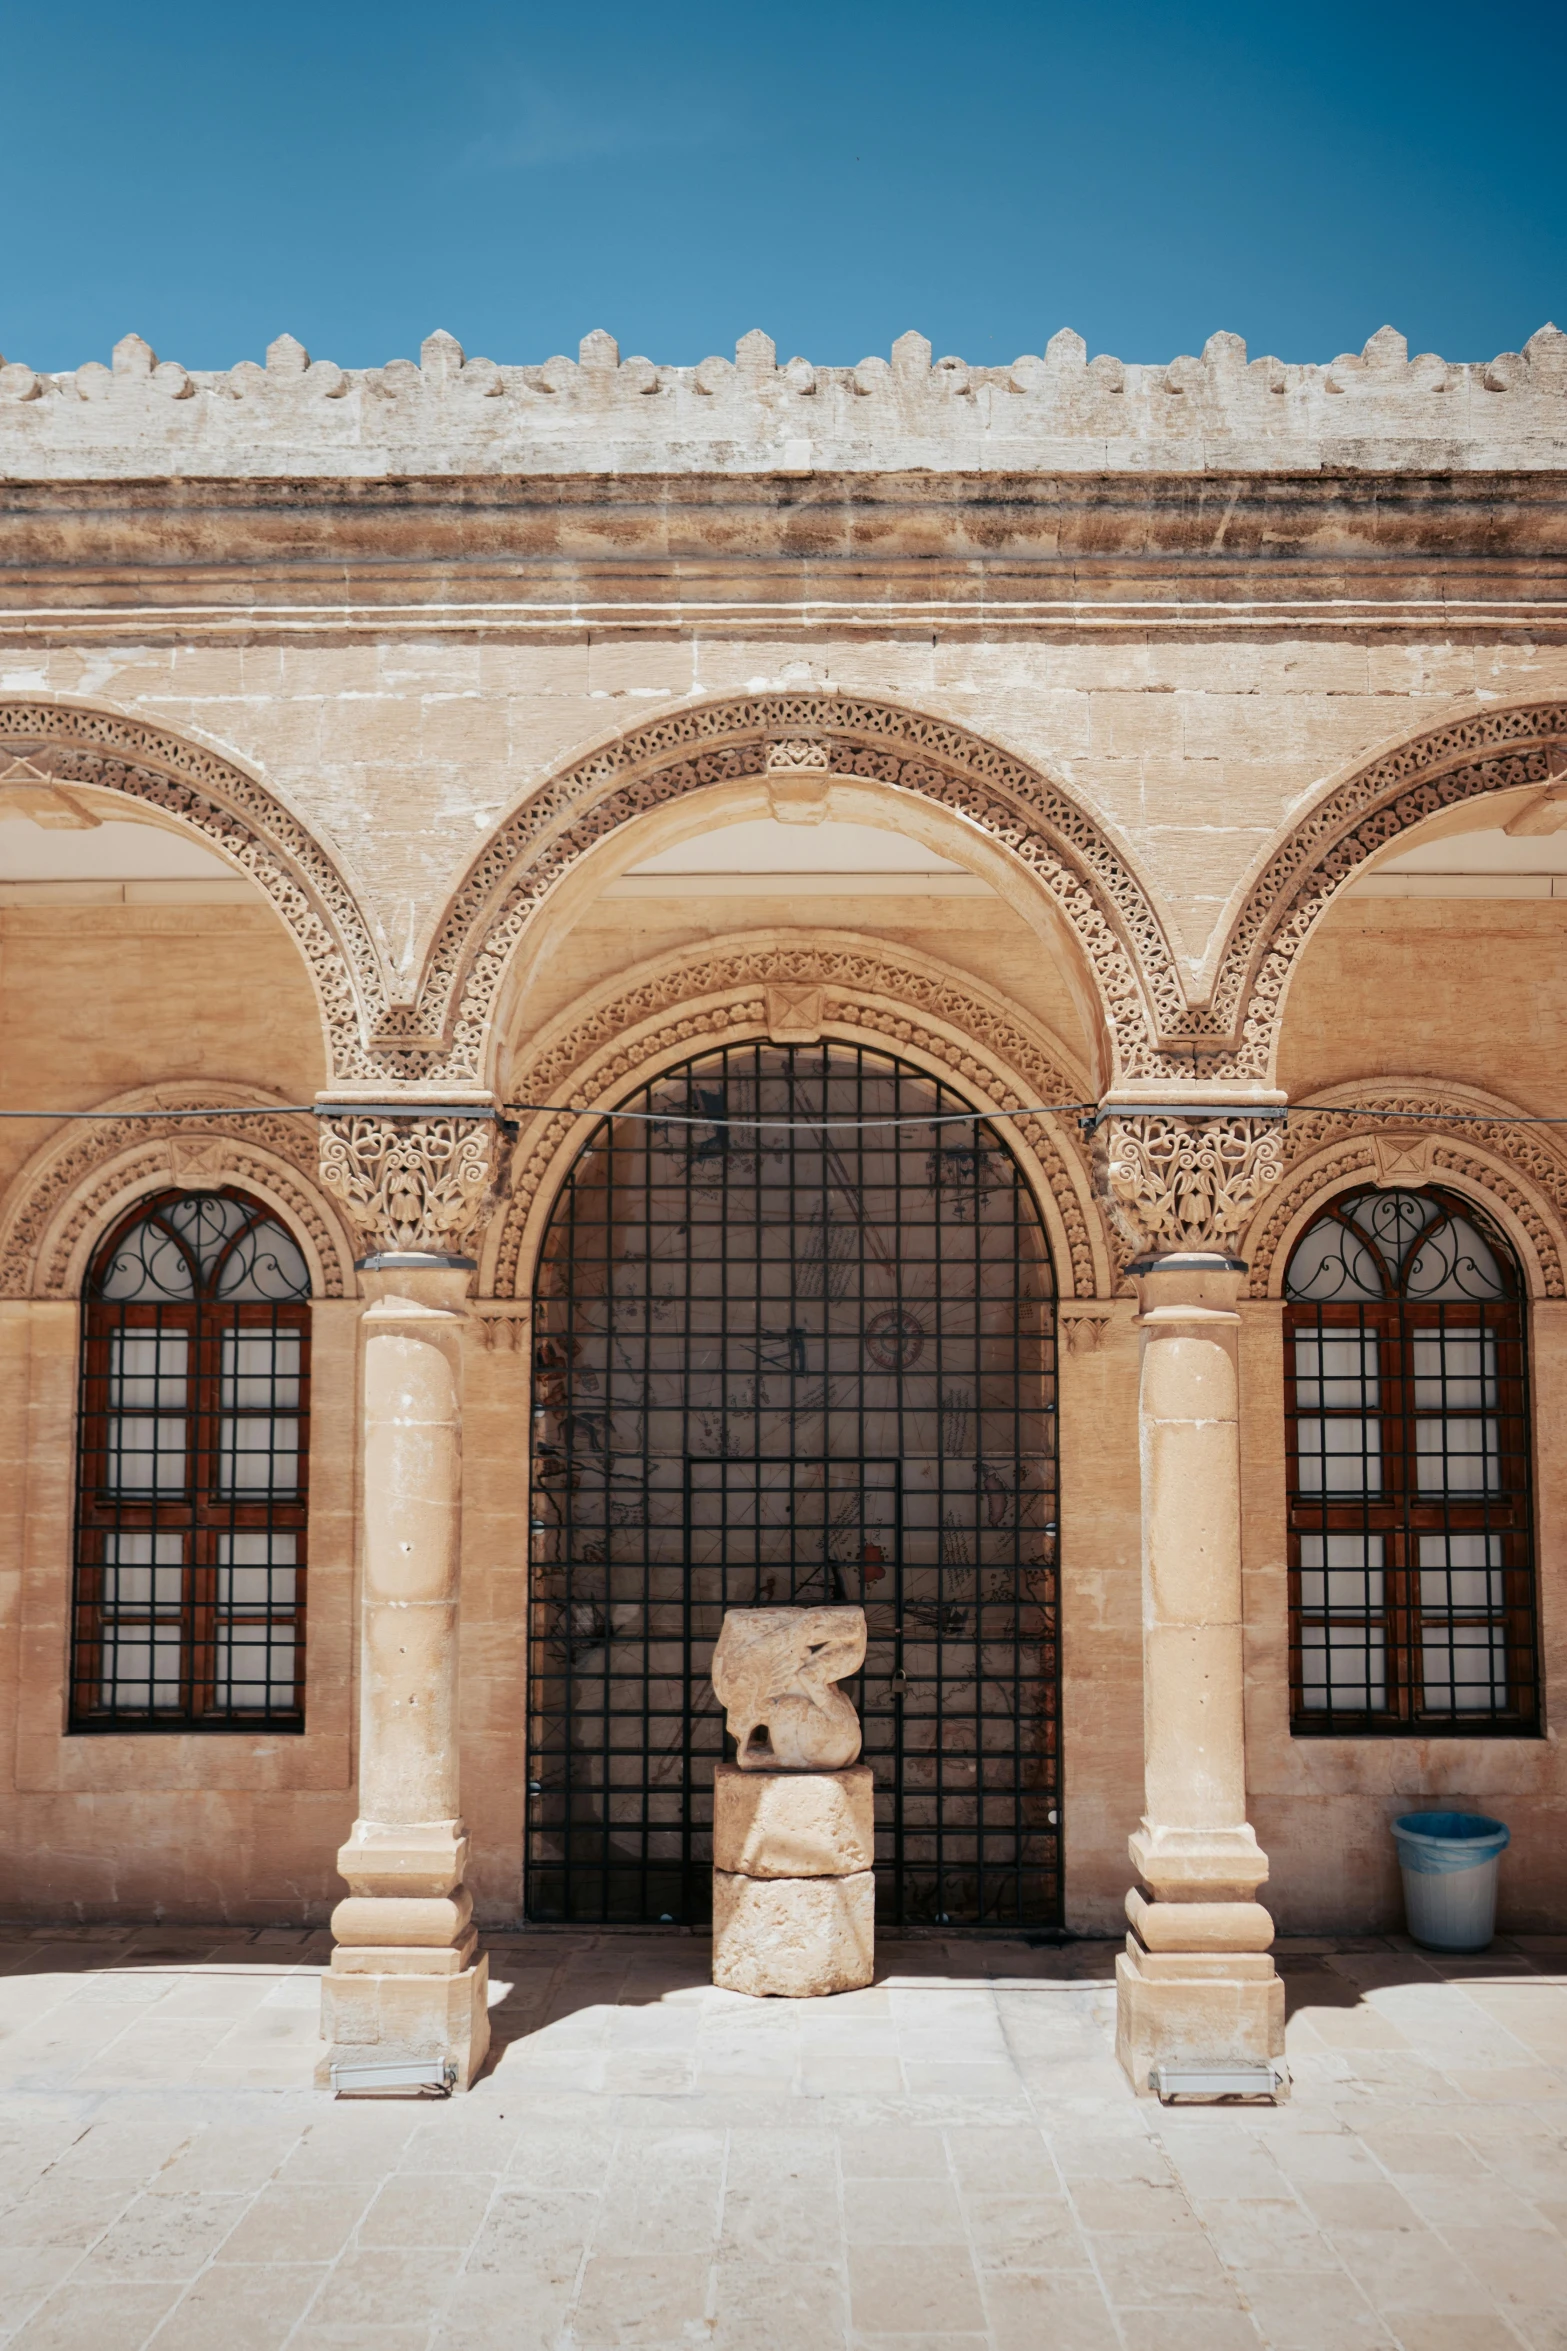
(794, 1898)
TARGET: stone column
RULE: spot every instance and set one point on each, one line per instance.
(1195, 1985)
(407, 1981)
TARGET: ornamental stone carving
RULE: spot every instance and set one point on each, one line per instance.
(1355, 1136)
(1483, 753)
(447, 413)
(893, 999)
(415, 1185)
(775, 1671)
(84, 1174)
(1069, 855)
(1171, 1183)
(234, 814)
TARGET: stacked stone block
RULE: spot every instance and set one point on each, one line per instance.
(794, 1898)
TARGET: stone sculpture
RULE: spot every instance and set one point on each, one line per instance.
(793, 1819)
(776, 1672)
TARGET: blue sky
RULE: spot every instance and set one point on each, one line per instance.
(680, 173)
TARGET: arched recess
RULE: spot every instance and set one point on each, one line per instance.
(1354, 818)
(1084, 880)
(87, 1174)
(230, 811)
(780, 985)
(1516, 1173)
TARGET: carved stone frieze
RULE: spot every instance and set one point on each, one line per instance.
(1486, 752)
(1171, 1183)
(235, 815)
(867, 990)
(1521, 1168)
(1094, 890)
(1050, 411)
(416, 1184)
(59, 1200)
(794, 1011)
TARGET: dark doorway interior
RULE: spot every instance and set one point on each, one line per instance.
(804, 1362)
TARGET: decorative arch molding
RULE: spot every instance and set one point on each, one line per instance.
(1487, 751)
(667, 1011)
(1515, 1172)
(71, 1190)
(235, 814)
(1087, 879)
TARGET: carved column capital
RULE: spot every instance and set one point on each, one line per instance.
(1172, 1183)
(422, 1183)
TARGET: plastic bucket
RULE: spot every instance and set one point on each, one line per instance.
(1450, 1862)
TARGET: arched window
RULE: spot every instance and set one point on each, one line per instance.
(192, 1463)
(1411, 1568)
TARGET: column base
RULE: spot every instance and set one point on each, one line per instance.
(394, 2013)
(794, 1938)
(1189, 2008)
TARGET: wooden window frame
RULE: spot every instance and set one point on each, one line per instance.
(1402, 1511)
(200, 1513)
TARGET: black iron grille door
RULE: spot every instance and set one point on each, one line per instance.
(797, 1363)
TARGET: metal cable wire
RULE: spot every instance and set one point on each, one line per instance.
(1485, 1118)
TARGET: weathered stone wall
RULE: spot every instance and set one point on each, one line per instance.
(599, 413)
(377, 620)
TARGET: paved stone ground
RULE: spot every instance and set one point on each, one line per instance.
(950, 2162)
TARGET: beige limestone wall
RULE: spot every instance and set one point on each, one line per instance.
(1321, 1807)
(201, 1827)
(404, 752)
(1472, 990)
(235, 1827)
(493, 1691)
(1101, 1609)
(978, 936)
(122, 996)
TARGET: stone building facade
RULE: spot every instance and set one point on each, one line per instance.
(1158, 773)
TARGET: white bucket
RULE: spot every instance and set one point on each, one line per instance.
(1450, 1862)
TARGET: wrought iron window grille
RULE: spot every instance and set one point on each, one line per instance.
(1411, 1574)
(781, 1367)
(193, 1465)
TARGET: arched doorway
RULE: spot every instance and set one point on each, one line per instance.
(800, 1361)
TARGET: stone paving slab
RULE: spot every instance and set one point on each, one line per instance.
(948, 2161)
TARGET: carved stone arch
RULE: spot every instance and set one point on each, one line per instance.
(1485, 752)
(1088, 880)
(69, 1193)
(1516, 1173)
(232, 812)
(909, 1005)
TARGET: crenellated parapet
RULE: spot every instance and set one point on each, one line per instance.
(1061, 411)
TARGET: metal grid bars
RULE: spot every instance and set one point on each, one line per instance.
(795, 1367)
(1411, 1574)
(190, 1543)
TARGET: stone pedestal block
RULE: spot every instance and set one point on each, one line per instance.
(793, 1938)
(1233, 2015)
(397, 2013)
(816, 1824)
